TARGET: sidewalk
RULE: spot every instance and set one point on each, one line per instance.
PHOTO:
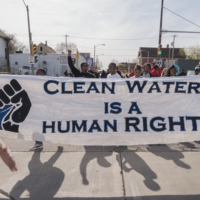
(153, 172)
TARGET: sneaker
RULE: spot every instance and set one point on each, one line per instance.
(36, 146)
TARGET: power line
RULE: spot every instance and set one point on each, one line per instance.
(111, 39)
(95, 38)
(181, 17)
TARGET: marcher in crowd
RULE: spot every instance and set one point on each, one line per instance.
(84, 68)
(197, 70)
(71, 75)
(132, 73)
(182, 73)
(112, 71)
(66, 73)
(159, 70)
(155, 71)
(164, 72)
(103, 74)
(6, 156)
(38, 144)
(146, 73)
(171, 71)
(137, 71)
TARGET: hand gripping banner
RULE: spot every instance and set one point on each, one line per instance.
(80, 111)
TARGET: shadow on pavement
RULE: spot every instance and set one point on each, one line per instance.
(175, 156)
(101, 160)
(44, 180)
(139, 165)
(159, 197)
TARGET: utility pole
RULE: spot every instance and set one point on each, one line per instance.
(160, 31)
(173, 50)
(94, 57)
(30, 36)
(66, 42)
(169, 54)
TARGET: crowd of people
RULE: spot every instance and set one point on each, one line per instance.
(147, 70)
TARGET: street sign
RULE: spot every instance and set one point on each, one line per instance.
(31, 60)
(159, 63)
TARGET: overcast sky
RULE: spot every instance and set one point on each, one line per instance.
(105, 19)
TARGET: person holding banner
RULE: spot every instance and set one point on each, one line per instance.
(137, 72)
(146, 73)
(171, 71)
(155, 72)
(197, 70)
(112, 70)
(84, 68)
(6, 157)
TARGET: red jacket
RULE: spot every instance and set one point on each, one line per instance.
(155, 73)
(132, 74)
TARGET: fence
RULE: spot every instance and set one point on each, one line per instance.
(4, 66)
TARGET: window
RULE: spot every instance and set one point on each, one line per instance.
(40, 48)
(26, 67)
(16, 63)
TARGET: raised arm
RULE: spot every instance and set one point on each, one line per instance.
(74, 70)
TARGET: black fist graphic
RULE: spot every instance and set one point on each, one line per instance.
(14, 106)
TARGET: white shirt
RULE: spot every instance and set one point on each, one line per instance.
(146, 76)
(114, 76)
(135, 77)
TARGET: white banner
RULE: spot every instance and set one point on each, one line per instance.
(82, 111)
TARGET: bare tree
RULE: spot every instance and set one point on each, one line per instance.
(99, 65)
(61, 47)
(115, 61)
(190, 52)
(15, 45)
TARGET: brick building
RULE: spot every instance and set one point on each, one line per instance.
(144, 57)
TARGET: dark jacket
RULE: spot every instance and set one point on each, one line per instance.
(76, 72)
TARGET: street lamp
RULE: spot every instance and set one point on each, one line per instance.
(94, 52)
(30, 37)
(148, 54)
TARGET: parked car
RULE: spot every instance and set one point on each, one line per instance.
(26, 70)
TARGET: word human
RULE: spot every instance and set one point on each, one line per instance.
(135, 124)
(181, 87)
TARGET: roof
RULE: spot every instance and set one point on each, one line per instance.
(154, 51)
(47, 47)
(50, 49)
(3, 35)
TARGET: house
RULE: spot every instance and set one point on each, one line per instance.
(54, 64)
(43, 49)
(4, 53)
(149, 54)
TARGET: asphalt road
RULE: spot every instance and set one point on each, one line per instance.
(65, 172)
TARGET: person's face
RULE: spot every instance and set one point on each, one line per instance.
(197, 72)
(165, 72)
(39, 73)
(137, 73)
(112, 69)
(147, 68)
(172, 72)
(84, 68)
